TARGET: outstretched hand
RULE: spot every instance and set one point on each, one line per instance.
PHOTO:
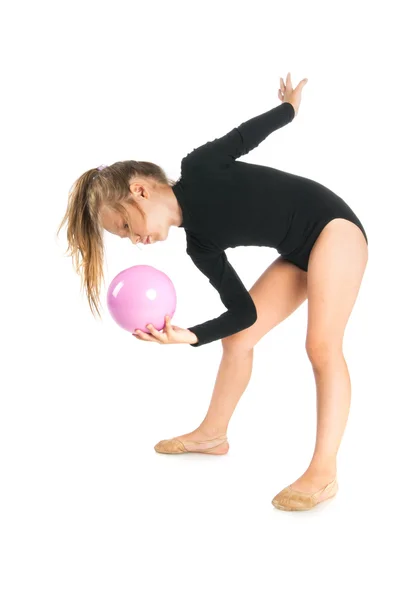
(288, 94)
(170, 334)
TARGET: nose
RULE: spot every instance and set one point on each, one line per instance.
(135, 239)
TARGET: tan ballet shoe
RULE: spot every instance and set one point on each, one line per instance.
(217, 445)
(290, 499)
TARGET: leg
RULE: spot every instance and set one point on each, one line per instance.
(279, 291)
(336, 268)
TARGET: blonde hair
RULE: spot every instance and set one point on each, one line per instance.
(90, 192)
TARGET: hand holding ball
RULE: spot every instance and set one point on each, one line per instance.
(141, 295)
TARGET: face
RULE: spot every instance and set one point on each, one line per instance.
(115, 223)
(146, 231)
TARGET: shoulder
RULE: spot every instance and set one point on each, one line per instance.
(198, 244)
(194, 164)
(205, 157)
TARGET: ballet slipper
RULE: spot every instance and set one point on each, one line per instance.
(217, 445)
(290, 499)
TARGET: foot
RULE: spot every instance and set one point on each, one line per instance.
(196, 441)
(310, 489)
(312, 481)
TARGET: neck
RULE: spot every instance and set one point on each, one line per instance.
(175, 209)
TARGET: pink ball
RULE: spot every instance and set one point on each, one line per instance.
(139, 296)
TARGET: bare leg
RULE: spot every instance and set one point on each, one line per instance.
(279, 291)
(336, 268)
(232, 379)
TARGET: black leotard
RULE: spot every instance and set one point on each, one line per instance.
(226, 203)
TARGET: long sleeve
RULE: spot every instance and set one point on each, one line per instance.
(241, 312)
(240, 140)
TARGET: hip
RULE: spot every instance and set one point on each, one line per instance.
(310, 215)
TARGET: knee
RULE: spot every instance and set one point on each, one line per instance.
(236, 344)
(321, 352)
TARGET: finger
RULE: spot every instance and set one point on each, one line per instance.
(168, 322)
(154, 332)
(301, 84)
(282, 84)
(156, 336)
(168, 331)
(289, 81)
(141, 335)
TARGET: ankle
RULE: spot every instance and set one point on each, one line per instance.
(212, 431)
(322, 470)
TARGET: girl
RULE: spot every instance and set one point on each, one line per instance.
(222, 203)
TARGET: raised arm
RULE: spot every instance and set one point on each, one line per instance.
(241, 312)
(240, 140)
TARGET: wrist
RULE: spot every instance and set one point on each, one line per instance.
(193, 337)
(293, 107)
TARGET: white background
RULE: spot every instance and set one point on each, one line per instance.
(88, 509)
